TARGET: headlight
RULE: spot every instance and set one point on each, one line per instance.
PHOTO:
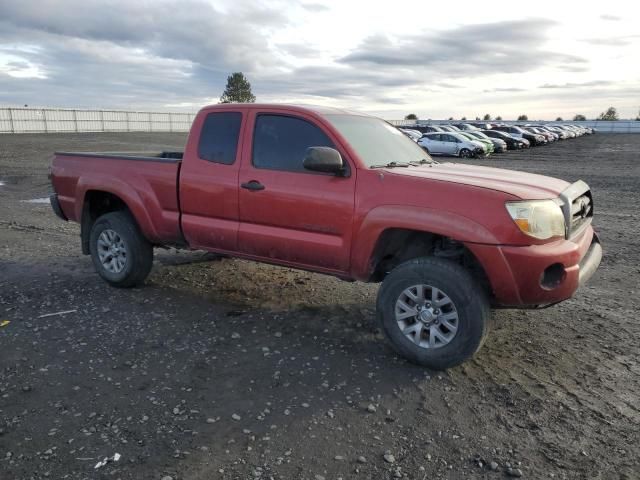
(541, 219)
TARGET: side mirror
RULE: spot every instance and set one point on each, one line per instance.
(324, 159)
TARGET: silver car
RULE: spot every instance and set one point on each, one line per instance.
(450, 143)
(412, 134)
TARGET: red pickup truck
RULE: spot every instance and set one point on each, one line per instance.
(347, 195)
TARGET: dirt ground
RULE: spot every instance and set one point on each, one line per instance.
(221, 368)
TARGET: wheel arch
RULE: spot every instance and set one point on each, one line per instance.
(99, 202)
(398, 245)
(392, 234)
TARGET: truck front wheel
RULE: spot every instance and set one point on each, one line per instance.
(433, 312)
(120, 253)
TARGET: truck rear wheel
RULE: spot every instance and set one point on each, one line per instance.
(433, 312)
(120, 253)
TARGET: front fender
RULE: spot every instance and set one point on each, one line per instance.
(381, 218)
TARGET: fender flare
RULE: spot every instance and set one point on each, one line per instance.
(130, 197)
(384, 217)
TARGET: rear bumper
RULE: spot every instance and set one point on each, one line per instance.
(55, 205)
(540, 274)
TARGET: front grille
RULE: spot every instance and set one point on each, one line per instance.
(577, 206)
(581, 211)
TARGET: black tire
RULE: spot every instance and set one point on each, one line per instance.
(426, 150)
(465, 153)
(139, 252)
(470, 300)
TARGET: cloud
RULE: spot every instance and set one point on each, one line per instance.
(504, 89)
(130, 51)
(506, 47)
(612, 41)
(447, 85)
(594, 83)
(315, 7)
(298, 50)
(612, 18)
(191, 30)
(178, 53)
(407, 65)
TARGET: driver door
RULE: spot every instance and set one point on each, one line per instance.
(290, 215)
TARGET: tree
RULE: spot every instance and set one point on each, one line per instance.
(464, 119)
(487, 117)
(499, 118)
(523, 118)
(238, 90)
(610, 114)
(450, 118)
(477, 118)
(559, 119)
(411, 116)
(579, 118)
(638, 117)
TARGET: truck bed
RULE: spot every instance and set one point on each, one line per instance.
(146, 181)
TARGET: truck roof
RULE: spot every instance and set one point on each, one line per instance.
(318, 109)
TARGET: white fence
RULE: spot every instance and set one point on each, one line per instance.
(618, 126)
(34, 120)
(50, 120)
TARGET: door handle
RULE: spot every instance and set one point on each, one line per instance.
(253, 185)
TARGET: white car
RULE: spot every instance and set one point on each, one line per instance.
(450, 143)
(412, 134)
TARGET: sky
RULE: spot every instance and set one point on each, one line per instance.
(436, 59)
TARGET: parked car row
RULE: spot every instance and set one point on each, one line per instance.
(483, 139)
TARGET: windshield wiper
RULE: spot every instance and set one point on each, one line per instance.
(391, 165)
(422, 161)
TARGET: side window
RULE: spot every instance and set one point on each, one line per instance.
(219, 137)
(449, 138)
(436, 138)
(280, 142)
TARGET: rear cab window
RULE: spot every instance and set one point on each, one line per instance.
(219, 137)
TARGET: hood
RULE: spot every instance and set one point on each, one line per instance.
(526, 186)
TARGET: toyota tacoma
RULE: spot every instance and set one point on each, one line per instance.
(348, 195)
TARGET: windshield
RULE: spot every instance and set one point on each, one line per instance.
(498, 133)
(375, 141)
(479, 135)
(466, 135)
